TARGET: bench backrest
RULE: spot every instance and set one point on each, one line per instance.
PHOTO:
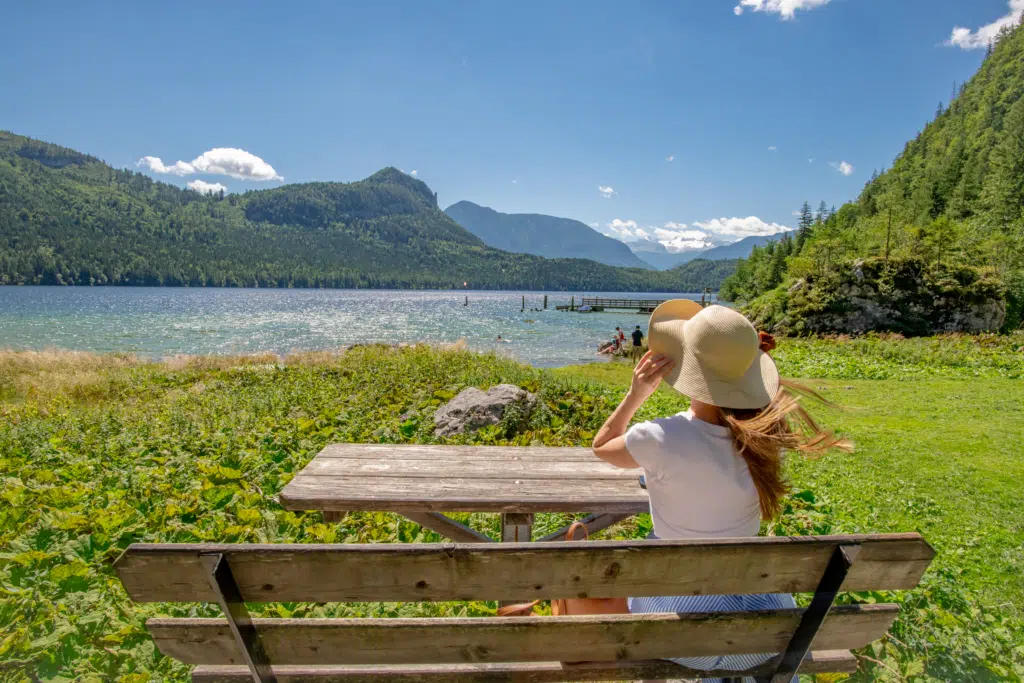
(446, 572)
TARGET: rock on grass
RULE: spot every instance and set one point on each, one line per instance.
(473, 408)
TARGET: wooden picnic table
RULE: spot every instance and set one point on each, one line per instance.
(423, 483)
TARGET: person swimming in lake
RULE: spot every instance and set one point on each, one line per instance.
(502, 341)
(715, 470)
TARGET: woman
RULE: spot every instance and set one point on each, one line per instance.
(714, 471)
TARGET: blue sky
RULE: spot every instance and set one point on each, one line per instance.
(689, 111)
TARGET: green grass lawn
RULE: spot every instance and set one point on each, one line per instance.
(97, 452)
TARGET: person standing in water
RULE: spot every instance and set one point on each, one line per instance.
(715, 470)
(638, 344)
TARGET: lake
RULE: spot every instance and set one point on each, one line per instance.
(164, 321)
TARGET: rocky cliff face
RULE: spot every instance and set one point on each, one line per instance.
(905, 296)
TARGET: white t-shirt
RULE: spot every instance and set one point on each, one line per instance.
(699, 485)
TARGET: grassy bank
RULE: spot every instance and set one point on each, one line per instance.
(99, 451)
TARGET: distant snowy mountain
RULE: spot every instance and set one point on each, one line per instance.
(658, 256)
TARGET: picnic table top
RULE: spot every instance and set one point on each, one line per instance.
(413, 478)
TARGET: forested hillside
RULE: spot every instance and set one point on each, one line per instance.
(948, 217)
(68, 219)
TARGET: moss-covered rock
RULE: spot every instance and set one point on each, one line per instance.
(906, 296)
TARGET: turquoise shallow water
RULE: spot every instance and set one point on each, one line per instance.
(157, 322)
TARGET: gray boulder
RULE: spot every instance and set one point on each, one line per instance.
(473, 409)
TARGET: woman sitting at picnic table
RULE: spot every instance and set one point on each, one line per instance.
(714, 471)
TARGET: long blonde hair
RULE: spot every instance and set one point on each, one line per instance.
(762, 435)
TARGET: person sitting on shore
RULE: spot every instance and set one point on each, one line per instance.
(716, 470)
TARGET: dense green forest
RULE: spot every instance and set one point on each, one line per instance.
(67, 218)
(949, 214)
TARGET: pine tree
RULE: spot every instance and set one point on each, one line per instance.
(805, 223)
(822, 215)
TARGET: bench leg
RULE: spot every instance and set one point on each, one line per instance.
(229, 597)
(516, 527)
(447, 527)
(334, 516)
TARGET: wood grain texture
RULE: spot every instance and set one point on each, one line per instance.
(415, 478)
(602, 569)
(565, 471)
(466, 494)
(518, 639)
(833, 661)
(456, 453)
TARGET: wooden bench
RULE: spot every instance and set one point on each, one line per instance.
(237, 648)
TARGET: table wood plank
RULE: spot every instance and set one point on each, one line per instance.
(518, 639)
(456, 452)
(567, 471)
(419, 494)
(496, 571)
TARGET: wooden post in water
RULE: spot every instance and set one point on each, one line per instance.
(524, 304)
(545, 302)
(467, 300)
(572, 304)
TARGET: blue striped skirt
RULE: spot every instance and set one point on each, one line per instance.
(700, 604)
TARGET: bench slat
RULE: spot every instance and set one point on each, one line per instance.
(437, 572)
(511, 639)
(829, 661)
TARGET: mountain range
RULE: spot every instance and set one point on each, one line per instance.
(67, 218)
(553, 237)
(549, 236)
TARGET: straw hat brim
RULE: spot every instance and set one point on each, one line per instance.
(754, 389)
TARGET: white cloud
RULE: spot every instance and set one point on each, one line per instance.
(773, 148)
(606, 191)
(785, 8)
(966, 39)
(740, 227)
(203, 187)
(843, 167)
(594, 224)
(677, 238)
(413, 172)
(670, 157)
(796, 213)
(235, 163)
(154, 164)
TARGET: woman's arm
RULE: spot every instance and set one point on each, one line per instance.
(610, 442)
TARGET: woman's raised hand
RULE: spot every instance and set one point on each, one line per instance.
(648, 375)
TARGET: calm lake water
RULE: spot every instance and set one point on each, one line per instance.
(156, 322)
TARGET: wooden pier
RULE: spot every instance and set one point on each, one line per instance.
(597, 305)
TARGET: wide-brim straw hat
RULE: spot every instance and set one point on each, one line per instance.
(717, 355)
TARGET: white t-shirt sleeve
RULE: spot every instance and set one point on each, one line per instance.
(645, 442)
